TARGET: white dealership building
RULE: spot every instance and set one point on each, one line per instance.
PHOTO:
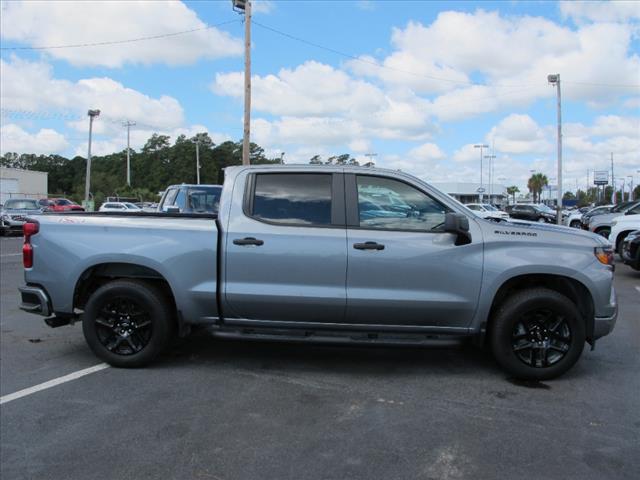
(19, 183)
(467, 192)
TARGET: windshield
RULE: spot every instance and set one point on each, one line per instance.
(621, 206)
(490, 207)
(131, 206)
(63, 201)
(21, 205)
(544, 208)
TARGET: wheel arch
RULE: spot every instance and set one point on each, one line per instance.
(571, 288)
(99, 274)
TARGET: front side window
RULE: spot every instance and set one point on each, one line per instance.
(293, 198)
(181, 199)
(387, 204)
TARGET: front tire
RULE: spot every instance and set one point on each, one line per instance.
(537, 334)
(576, 224)
(127, 323)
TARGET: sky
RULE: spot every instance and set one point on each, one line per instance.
(416, 83)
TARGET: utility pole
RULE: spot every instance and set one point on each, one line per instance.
(490, 158)
(241, 6)
(481, 146)
(554, 79)
(128, 124)
(87, 185)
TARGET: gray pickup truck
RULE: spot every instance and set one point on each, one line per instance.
(327, 254)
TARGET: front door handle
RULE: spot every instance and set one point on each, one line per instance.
(368, 246)
(248, 241)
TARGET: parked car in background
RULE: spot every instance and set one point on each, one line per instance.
(191, 199)
(574, 217)
(124, 207)
(485, 210)
(602, 209)
(147, 206)
(622, 226)
(15, 212)
(60, 205)
(601, 224)
(631, 250)
(533, 212)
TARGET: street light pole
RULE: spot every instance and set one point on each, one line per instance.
(128, 124)
(481, 146)
(554, 79)
(490, 158)
(198, 162)
(87, 185)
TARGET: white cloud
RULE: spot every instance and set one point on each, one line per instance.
(519, 134)
(14, 138)
(510, 57)
(427, 151)
(31, 86)
(609, 11)
(262, 6)
(53, 23)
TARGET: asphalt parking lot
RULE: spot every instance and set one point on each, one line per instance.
(211, 409)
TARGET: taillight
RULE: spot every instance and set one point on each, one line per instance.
(29, 229)
(604, 255)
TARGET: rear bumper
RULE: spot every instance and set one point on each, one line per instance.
(35, 300)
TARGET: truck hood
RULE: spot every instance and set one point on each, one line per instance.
(549, 232)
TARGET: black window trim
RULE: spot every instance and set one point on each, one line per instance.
(353, 213)
(337, 200)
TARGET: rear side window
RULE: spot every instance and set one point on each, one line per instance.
(293, 198)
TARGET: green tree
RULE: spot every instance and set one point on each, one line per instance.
(536, 184)
(512, 190)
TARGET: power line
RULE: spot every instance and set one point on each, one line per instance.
(119, 42)
(376, 64)
(430, 77)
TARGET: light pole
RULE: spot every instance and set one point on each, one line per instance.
(128, 124)
(481, 146)
(554, 79)
(198, 162)
(490, 158)
(87, 185)
(245, 6)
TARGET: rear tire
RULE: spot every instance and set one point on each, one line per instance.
(537, 334)
(576, 224)
(127, 323)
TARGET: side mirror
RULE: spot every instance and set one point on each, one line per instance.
(458, 224)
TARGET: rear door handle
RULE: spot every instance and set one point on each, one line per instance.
(368, 246)
(248, 241)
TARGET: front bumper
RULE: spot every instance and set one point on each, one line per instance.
(604, 325)
(35, 300)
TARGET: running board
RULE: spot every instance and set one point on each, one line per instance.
(349, 338)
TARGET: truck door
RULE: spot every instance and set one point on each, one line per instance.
(403, 269)
(286, 253)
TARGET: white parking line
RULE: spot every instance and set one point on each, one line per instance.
(52, 383)
(10, 255)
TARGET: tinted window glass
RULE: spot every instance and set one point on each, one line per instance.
(181, 199)
(296, 198)
(388, 204)
(171, 196)
(21, 205)
(473, 207)
(204, 199)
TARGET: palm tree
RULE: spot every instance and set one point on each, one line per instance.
(535, 185)
(512, 191)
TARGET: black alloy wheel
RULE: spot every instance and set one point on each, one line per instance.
(127, 323)
(537, 334)
(123, 326)
(541, 338)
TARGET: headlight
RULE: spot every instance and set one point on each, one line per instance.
(4, 216)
